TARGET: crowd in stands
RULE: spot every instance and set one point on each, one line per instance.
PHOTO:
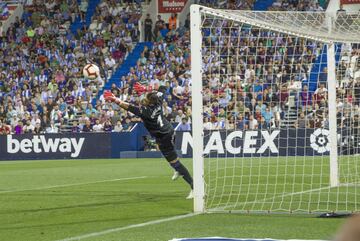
(232, 4)
(4, 11)
(252, 81)
(267, 72)
(348, 94)
(41, 85)
(298, 5)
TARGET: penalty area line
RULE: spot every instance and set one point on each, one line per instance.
(74, 184)
(113, 230)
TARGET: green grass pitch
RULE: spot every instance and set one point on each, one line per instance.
(56, 200)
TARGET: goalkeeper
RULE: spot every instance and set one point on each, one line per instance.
(151, 112)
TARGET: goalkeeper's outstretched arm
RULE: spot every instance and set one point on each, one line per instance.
(153, 98)
(125, 105)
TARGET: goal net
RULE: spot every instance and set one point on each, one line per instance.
(275, 111)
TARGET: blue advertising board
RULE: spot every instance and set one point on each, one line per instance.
(55, 146)
(275, 142)
(220, 143)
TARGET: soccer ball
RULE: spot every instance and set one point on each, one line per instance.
(91, 71)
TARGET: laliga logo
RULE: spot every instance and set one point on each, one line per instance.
(319, 140)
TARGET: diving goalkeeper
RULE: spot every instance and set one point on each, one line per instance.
(151, 112)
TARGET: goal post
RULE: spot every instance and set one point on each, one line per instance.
(275, 111)
(197, 117)
(331, 79)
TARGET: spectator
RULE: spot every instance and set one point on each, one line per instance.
(83, 8)
(305, 97)
(172, 21)
(318, 8)
(108, 126)
(118, 127)
(127, 125)
(75, 128)
(301, 122)
(207, 124)
(159, 25)
(341, 10)
(242, 123)
(55, 114)
(284, 96)
(341, 70)
(97, 127)
(253, 123)
(184, 125)
(87, 127)
(262, 124)
(320, 95)
(187, 22)
(267, 115)
(52, 128)
(148, 28)
(28, 127)
(18, 129)
(1, 29)
(38, 129)
(4, 129)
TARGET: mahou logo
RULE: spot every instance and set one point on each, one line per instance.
(319, 140)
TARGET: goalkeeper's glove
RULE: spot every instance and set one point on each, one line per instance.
(140, 89)
(110, 97)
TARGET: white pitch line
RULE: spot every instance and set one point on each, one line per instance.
(74, 184)
(113, 230)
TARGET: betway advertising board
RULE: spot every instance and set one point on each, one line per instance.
(282, 142)
(55, 146)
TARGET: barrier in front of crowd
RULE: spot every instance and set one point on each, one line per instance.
(276, 142)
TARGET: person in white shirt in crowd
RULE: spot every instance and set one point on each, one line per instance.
(167, 109)
(180, 115)
(253, 123)
(110, 62)
(98, 127)
(1, 30)
(83, 8)
(177, 89)
(53, 128)
(28, 127)
(55, 114)
(321, 89)
(207, 124)
(35, 119)
(118, 127)
(110, 112)
(249, 73)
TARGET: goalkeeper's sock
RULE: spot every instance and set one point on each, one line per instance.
(183, 171)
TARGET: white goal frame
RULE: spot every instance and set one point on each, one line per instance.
(326, 34)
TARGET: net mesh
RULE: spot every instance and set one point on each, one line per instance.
(265, 105)
(343, 27)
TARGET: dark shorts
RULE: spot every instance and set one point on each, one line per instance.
(167, 146)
